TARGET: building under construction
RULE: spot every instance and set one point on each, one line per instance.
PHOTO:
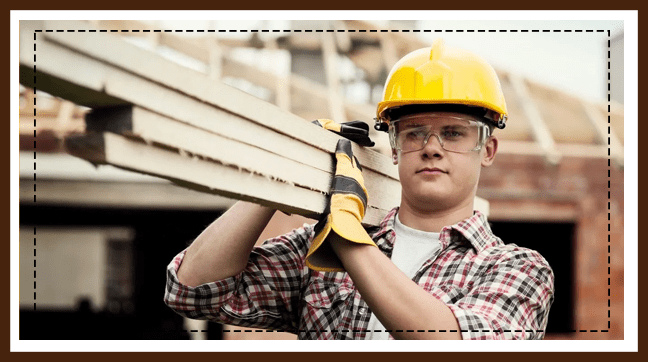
(116, 165)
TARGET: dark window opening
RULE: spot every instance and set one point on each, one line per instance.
(135, 278)
(555, 241)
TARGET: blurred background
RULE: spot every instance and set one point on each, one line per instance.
(95, 243)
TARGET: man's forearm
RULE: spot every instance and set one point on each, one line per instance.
(398, 302)
(223, 248)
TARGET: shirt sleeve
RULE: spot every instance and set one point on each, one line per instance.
(510, 301)
(264, 295)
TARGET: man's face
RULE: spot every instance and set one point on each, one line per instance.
(434, 178)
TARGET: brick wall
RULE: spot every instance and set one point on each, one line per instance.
(525, 188)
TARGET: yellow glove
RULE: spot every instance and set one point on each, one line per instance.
(356, 131)
(344, 214)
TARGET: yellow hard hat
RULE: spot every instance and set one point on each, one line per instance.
(440, 75)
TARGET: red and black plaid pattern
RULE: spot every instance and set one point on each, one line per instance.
(495, 290)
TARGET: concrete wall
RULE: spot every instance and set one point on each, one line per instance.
(61, 266)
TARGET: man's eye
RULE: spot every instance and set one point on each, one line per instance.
(417, 133)
(451, 133)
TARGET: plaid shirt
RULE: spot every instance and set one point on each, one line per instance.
(495, 290)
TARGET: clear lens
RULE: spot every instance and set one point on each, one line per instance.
(453, 133)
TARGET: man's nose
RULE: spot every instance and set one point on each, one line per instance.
(433, 145)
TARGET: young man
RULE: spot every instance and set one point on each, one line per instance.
(432, 269)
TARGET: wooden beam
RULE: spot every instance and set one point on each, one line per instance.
(605, 133)
(198, 174)
(64, 116)
(200, 48)
(282, 83)
(299, 142)
(169, 89)
(120, 194)
(342, 37)
(388, 50)
(236, 69)
(209, 144)
(202, 175)
(49, 124)
(539, 128)
(407, 41)
(129, 57)
(195, 46)
(329, 52)
(313, 91)
(215, 54)
(153, 38)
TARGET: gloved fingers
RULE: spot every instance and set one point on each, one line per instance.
(346, 129)
(328, 124)
(356, 127)
(357, 135)
(363, 141)
(356, 131)
(344, 147)
(357, 124)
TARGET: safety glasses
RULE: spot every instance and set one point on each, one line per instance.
(455, 134)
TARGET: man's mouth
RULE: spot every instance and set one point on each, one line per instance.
(431, 170)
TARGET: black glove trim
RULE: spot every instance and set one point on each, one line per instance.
(344, 147)
(349, 185)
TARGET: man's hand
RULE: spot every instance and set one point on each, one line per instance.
(356, 131)
(344, 214)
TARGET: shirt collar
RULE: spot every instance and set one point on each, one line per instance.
(387, 223)
(475, 230)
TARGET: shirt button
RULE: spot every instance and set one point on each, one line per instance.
(362, 311)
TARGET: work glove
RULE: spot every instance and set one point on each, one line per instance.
(344, 212)
(356, 131)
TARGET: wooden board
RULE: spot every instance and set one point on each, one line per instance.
(197, 143)
(109, 71)
(251, 161)
(202, 175)
(189, 139)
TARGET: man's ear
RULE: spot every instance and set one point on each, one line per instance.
(490, 149)
(394, 156)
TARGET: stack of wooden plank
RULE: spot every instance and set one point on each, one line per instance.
(153, 116)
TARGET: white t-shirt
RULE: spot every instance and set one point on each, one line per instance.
(412, 248)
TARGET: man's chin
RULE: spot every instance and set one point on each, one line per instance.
(430, 201)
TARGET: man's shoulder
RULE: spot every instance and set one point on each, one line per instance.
(513, 253)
